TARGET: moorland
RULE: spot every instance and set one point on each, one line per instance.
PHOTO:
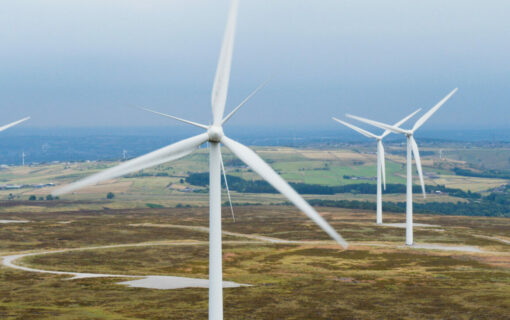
(155, 223)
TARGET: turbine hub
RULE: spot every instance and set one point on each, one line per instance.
(215, 133)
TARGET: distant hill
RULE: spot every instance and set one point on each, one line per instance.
(81, 144)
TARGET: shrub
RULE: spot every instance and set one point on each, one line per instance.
(154, 205)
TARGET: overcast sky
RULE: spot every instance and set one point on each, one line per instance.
(84, 62)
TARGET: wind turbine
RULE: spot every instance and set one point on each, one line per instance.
(214, 135)
(412, 149)
(381, 166)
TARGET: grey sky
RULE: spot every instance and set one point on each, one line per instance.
(81, 63)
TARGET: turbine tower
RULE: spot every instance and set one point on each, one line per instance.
(412, 149)
(381, 165)
(214, 135)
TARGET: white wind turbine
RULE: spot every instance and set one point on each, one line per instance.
(412, 149)
(381, 165)
(214, 135)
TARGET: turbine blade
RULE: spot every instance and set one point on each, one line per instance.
(416, 153)
(379, 124)
(353, 127)
(243, 102)
(383, 163)
(165, 154)
(258, 165)
(203, 126)
(226, 186)
(429, 113)
(401, 122)
(12, 124)
(222, 78)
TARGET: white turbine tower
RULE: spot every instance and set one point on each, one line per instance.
(214, 135)
(412, 149)
(381, 166)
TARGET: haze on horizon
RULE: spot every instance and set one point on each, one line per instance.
(83, 63)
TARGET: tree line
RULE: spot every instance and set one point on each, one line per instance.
(260, 186)
(490, 206)
(500, 174)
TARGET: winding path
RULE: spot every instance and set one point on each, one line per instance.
(150, 281)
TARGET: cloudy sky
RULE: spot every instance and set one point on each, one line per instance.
(84, 63)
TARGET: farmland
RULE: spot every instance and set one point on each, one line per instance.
(164, 184)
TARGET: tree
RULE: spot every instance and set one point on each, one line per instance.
(49, 197)
(32, 198)
(110, 195)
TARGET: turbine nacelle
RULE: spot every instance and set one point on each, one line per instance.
(215, 133)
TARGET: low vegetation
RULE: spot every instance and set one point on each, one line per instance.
(289, 281)
(377, 278)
